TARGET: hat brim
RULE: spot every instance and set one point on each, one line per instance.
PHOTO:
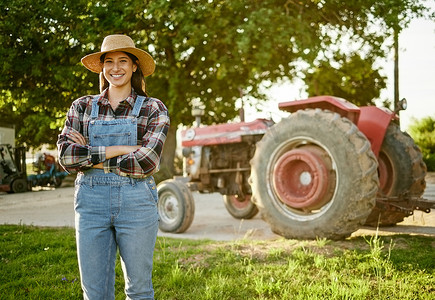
(146, 62)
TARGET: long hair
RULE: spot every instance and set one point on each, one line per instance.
(137, 79)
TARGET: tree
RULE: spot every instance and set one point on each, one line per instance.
(206, 50)
(39, 74)
(350, 71)
(356, 79)
(423, 133)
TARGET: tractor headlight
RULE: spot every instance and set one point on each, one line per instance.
(403, 104)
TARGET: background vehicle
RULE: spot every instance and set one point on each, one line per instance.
(48, 172)
(13, 172)
(324, 171)
(13, 175)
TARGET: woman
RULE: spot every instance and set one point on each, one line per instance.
(114, 141)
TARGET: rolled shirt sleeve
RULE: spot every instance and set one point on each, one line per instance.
(74, 157)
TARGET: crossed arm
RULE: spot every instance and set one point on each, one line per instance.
(111, 151)
(75, 153)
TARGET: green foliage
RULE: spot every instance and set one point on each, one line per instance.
(41, 263)
(205, 50)
(423, 133)
(40, 74)
(356, 79)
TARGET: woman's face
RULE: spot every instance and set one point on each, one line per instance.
(118, 69)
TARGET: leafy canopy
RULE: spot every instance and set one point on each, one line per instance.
(204, 50)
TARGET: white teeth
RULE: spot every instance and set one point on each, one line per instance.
(117, 76)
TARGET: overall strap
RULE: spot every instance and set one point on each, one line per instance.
(95, 108)
(138, 105)
(135, 113)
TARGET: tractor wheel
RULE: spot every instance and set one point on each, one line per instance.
(176, 206)
(57, 182)
(240, 208)
(314, 176)
(401, 170)
(19, 185)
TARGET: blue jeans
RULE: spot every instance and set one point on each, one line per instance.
(115, 212)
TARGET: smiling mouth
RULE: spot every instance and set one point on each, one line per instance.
(117, 75)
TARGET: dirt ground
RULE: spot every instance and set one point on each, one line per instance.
(54, 207)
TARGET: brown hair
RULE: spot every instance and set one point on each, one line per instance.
(137, 79)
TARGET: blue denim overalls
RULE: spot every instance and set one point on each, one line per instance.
(111, 211)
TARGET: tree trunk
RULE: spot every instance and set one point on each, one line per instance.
(167, 169)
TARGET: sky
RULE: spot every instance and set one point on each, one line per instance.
(417, 70)
(416, 78)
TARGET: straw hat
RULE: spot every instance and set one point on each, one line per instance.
(119, 42)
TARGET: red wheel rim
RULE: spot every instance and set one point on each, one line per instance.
(239, 202)
(301, 178)
(386, 173)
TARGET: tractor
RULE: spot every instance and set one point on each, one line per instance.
(324, 171)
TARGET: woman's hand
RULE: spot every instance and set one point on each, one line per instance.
(77, 138)
(99, 166)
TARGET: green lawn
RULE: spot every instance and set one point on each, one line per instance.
(40, 263)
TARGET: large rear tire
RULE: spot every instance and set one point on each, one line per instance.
(176, 206)
(314, 176)
(240, 208)
(401, 170)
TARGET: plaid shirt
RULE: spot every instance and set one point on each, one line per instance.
(152, 127)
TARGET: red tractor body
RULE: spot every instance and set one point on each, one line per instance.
(370, 120)
(324, 171)
(223, 133)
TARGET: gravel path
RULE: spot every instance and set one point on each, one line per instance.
(54, 207)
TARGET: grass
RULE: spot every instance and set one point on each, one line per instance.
(40, 263)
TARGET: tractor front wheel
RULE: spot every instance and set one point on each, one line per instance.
(176, 206)
(19, 185)
(57, 181)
